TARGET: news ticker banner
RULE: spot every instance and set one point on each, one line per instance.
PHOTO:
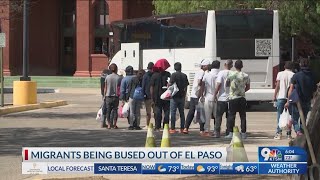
(272, 160)
(128, 154)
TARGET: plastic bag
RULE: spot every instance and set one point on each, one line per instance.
(174, 89)
(195, 118)
(125, 110)
(99, 115)
(200, 112)
(285, 119)
(120, 115)
(166, 95)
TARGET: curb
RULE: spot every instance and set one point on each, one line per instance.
(48, 104)
(39, 90)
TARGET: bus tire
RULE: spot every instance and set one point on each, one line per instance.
(187, 105)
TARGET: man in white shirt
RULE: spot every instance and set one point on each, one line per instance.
(195, 93)
(222, 97)
(207, 96)
(281, 94)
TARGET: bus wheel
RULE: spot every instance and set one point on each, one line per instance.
(187, 105)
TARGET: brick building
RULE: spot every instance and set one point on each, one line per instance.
(67, 37)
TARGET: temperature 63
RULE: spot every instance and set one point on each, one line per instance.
(251, 168)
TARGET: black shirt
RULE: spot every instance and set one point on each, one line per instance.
(182, 82)
(305, 84)
(158, 80)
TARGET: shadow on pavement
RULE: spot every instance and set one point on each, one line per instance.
(13, 139)
(263, 107)
(51, 115)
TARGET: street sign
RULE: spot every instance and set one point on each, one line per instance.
(2, 40)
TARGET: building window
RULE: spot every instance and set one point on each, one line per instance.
(69, 14)
(101, 27)
(102, 14)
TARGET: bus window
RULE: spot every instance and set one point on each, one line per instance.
(180, 31)
(237, 34)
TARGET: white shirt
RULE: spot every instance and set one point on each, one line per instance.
(195, 86)
(224, 91)
(284, 77)
(209, 80)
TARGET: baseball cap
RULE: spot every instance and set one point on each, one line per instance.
(205, 62)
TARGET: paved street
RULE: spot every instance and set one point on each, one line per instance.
(74, 125)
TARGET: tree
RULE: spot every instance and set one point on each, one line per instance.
(299, 17)
(313, 125)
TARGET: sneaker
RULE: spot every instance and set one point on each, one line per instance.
(230, 135)
(289, 137)
(201, 132)
(243, 135)
(172, 131)
(130, 128)
(277, 136)
(216, 135)
(145, 128)
(137, 128)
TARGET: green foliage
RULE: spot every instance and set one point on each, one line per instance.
(300, 16)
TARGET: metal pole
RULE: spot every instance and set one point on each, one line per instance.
(1, 76)
(292, 47)
(1, 70)
(25, 76)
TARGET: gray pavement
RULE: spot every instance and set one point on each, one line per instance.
(74, 125)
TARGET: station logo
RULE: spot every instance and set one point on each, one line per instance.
(271, 155)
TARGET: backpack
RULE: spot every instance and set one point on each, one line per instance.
(138, 93)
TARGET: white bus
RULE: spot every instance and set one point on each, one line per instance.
(249, 35)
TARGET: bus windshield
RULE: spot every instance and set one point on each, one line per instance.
(239, 32)
(178, 31)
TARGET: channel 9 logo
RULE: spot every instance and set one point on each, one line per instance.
(271, 155)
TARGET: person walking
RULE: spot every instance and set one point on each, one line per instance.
(146, 89)
(303, 82)
(281, 95)
(221, 96)
(195, 94)
(111, 96)
(158, 85)
(103, 76)
(239, 83)
(124, 87)
(136, 97)
(178, 100)
(207, 95)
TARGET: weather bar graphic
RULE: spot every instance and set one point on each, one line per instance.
(162, 169)
(200, 168)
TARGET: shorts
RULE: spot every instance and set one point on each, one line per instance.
(148, 103)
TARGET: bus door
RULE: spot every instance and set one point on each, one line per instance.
(130, 55)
